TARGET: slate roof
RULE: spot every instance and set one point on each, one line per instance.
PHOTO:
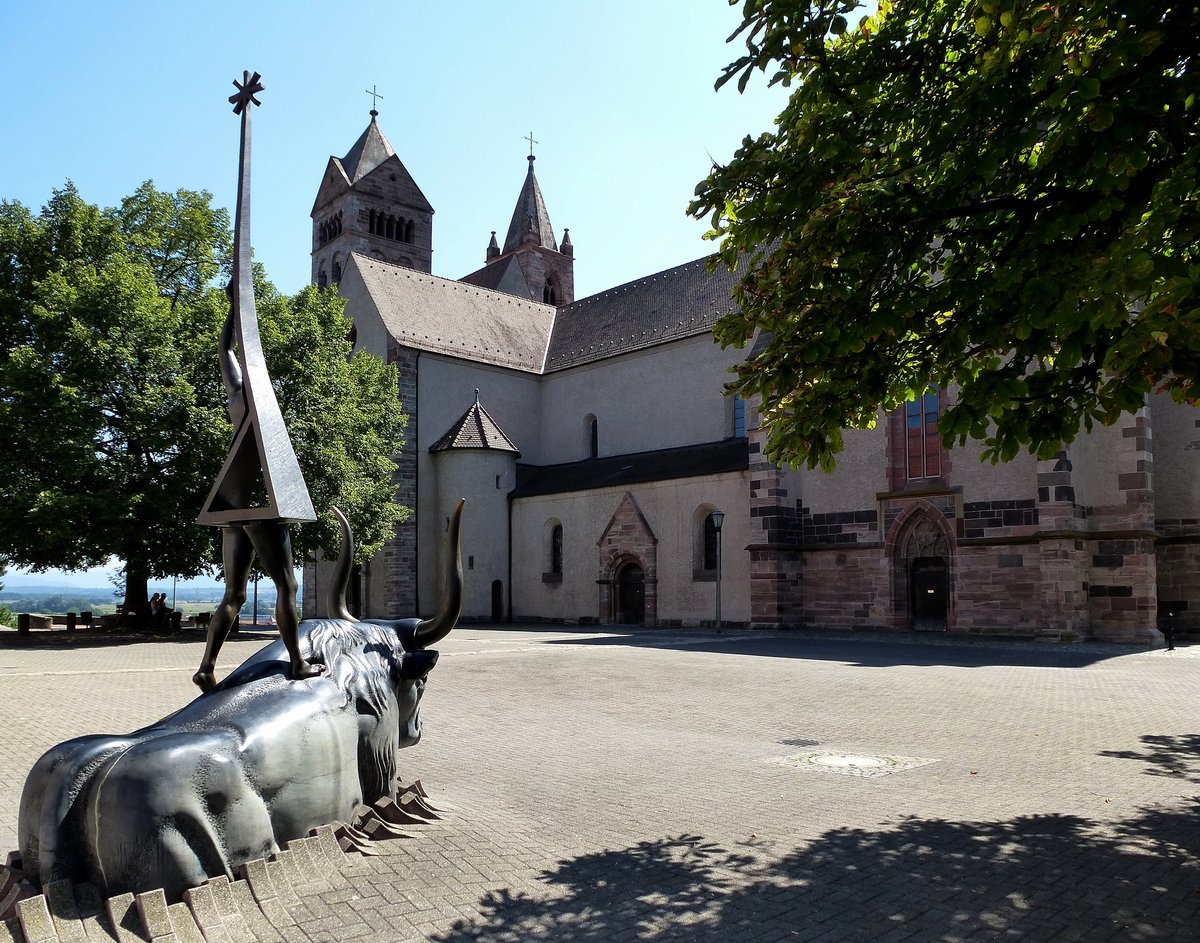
(475, 429)
(504, 274)
(689, 461)
(530, 210)
(437, 314)
(369, 151)
(681, 302)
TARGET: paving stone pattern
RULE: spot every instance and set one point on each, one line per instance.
(629, 786)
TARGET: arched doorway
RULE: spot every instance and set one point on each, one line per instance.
(497, 601)
(930, 593)
(631, 594)
(920, 546)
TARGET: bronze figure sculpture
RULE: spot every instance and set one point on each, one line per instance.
(259, 488)
(256, 762)
(281, 746)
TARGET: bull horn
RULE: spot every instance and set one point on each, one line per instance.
(431, 631)
(336, 604)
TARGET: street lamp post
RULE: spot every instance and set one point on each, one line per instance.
(718, 518)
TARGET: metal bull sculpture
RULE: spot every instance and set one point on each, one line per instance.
(256, 762)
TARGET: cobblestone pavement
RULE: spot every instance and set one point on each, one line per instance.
(652, 786)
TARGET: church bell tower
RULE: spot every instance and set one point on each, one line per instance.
(370, 204)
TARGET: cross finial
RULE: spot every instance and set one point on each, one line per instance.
(531, 143)
(247, 88)
(375, 96)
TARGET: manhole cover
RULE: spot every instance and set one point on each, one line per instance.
(868, 766)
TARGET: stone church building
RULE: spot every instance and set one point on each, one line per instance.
(594, 442)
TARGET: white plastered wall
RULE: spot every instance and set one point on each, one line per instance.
(662, 397)
(484, 477)
(445, 390)
(857, 479)
(669, 508)
(1176, 459)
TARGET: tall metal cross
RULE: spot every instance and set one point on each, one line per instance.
(531, 143)
(374, 96)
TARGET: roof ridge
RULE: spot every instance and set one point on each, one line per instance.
(452, 283)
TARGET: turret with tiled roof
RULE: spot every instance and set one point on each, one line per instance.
(475, 429)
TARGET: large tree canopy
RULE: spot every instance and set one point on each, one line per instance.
(994, 196)
(112, 413)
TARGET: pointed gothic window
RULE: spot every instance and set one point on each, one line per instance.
(548, 293)
(922, 444)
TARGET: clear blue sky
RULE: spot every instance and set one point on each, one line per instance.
(618, 93)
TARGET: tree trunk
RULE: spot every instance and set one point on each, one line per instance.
(137, 599)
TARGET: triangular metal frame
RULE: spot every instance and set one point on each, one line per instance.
(269, 453)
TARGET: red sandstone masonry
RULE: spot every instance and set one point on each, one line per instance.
(399, 570)
(1178, 571)
(776, 590)
(628, 537)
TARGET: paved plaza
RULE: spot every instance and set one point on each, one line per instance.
(654, 785)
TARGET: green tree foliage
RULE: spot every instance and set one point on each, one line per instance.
(112, 413)
(994, 196)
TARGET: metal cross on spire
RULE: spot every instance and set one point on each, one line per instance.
(247, 88)
(531, 143)
(374, 99)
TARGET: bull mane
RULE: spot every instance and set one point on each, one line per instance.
(362, 659)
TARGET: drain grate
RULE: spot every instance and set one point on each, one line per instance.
(863, 765)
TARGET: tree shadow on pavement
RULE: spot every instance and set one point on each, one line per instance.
(1176, 755)
(1049, 877)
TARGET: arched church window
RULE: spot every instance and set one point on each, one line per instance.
(593, 432)
(548, 292)
(556, 549)
(391, 227)
(337, 270)
(709, 560)
(704, 544)
(408, 231)
(322, 277)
